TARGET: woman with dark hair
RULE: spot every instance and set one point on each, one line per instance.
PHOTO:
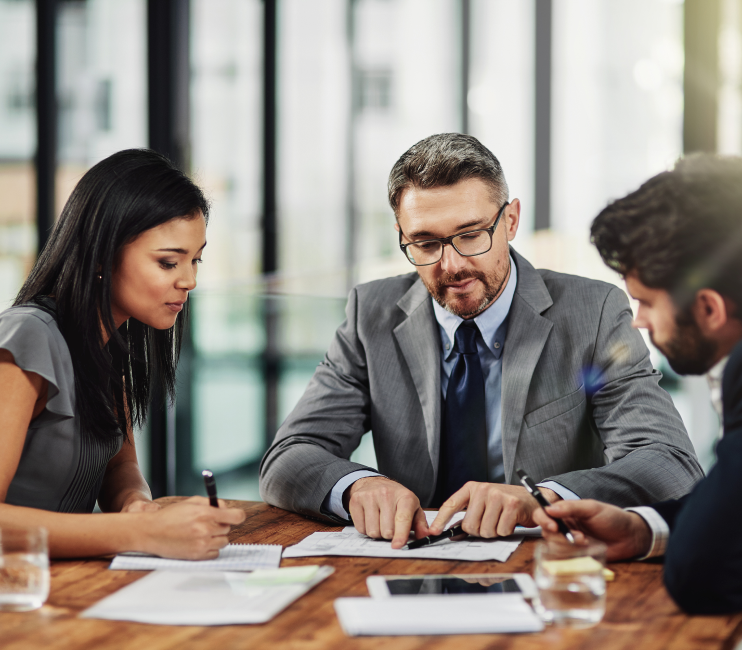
(96, 326)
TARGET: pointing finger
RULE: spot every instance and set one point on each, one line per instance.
(402, 526)
(455, 503)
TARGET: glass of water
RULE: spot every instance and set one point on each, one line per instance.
(570, 582)
(24, 569)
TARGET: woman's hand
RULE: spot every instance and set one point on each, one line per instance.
(188, 530)
(139, 504)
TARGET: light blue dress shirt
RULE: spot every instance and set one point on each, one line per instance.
(492, 324)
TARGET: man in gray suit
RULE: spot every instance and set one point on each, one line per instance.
(505, 367)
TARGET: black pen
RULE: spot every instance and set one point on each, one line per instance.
(210, 484)
(432, 539)
(543, 502)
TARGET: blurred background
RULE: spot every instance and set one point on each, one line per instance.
(290, 113)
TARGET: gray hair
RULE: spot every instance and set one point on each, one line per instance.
(446, 159)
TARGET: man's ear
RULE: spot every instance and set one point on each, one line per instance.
(512, 219)
(711, 311)
(396, 225)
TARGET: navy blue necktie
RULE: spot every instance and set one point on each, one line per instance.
(463, 453)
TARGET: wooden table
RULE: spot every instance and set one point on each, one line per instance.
(639, 612)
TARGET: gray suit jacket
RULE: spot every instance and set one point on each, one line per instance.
(618, 438)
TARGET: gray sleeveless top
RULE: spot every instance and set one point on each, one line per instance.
(60, 468)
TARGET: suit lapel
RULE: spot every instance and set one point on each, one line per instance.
(419, 341)
(527, 334)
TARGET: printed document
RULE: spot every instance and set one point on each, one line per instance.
(350, 542)
(208, 598)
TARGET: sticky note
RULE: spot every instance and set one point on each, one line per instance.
(577, 565)
(286, 575)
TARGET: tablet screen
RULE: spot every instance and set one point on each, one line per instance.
(452, 585)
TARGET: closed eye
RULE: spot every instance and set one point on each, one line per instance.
(427, 246)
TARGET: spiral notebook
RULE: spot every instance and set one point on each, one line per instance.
(233, 557)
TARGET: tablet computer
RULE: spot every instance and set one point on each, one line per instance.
(470, 583)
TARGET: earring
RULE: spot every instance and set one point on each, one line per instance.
(100, 277)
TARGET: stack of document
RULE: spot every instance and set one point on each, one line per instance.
(208, 597)
(403, 615)
(350, 542)
(233, 557)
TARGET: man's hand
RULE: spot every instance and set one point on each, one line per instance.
(625, 534)
(381, 508)
(492, 509)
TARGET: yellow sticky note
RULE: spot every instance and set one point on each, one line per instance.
(577, 565)
(284, 575)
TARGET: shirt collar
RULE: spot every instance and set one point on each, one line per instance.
(714, 377)
(489, 321)
(716, 372)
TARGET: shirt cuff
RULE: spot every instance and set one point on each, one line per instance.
(658, 526)
(333, 502)
(562, 491)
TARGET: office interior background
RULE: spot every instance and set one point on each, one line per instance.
(290, 113)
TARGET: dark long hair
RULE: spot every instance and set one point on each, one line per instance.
(115, 201)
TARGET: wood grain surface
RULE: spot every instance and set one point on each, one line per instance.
(639, 612)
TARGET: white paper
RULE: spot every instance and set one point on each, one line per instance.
(202, 598)
(350, 542)
(354, 544)
(233, 557)
(402, 615)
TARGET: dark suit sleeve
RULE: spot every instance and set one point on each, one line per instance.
(669, 510)
(703, 563)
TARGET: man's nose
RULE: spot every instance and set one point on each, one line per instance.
(451, 261)
(639, 321)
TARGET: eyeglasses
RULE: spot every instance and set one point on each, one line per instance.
(467, 244)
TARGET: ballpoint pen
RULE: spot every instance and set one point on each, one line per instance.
(210, 484)
(543, 502)
(432, 539)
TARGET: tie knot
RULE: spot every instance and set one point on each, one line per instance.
(466, 338)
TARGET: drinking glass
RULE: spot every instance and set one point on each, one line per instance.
(570, 582)
(24, 569)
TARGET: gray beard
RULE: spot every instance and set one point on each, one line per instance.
(492, 289)
(480, 308)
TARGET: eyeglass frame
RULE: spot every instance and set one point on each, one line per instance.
(449, 240)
